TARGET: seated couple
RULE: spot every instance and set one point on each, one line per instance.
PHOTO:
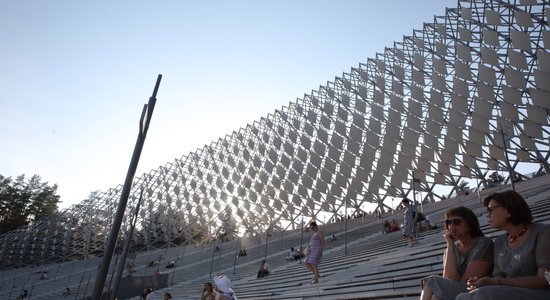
(389, 227)
(293, 254)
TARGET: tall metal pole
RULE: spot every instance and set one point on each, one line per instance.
(145, 120)
(414, 188)
(510, 171)
(301, 239)
(341, 223)
(282, 232)
(126, 249)
(112, 275)
(87, 284)
(238, 243)
(346, 227)
(174, 268)
(266, 240)
(212, 260)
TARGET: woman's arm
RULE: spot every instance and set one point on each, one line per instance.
(481, 259)
(450, 268)
(414, 214)
(477, 268)
(322, 239)
(531, 282)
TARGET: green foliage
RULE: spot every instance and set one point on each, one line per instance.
(463, 187)
(495, 179)
(22, 201)
(228, 227)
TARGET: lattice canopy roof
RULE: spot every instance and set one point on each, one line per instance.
(455, 100)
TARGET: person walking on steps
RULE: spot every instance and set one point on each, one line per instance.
(313, 258)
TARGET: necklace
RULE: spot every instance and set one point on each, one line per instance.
(513, 237)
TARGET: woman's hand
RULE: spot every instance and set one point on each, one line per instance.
(450, 235)
(475, 283)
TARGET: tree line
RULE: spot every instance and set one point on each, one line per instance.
(23, 200)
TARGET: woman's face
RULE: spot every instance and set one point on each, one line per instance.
(457, 226)
(497, 215)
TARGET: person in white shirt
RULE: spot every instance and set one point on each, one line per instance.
(292, 255)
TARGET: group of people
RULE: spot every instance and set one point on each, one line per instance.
(389, 227)
(221, 289)
(513, 266)
(242, 252)
(313, 254)
(516, 265)
(43, 274)
(294, 254)
(414, 221)
(149, 294)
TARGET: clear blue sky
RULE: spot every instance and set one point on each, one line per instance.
(74, 75)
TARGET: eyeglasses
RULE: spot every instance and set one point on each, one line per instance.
(455, 222)
(491, 208)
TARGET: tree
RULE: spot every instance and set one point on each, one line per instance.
(228, 227)
(463, 187)
(495, 179)
(22, 201)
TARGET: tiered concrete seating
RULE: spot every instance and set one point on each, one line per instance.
(376, 266)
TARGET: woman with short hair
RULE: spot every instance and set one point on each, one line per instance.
(468, 254)
(522, 253)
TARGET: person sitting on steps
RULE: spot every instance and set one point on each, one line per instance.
(264, 269)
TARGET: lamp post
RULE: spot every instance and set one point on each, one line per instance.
(126, 249)
(237, 250)
(282, 233)
(212, 258)
(505, 138)
(346, 228)
(301, 239)
(266, 240)
(145, 120)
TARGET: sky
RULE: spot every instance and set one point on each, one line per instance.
(74, 75)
